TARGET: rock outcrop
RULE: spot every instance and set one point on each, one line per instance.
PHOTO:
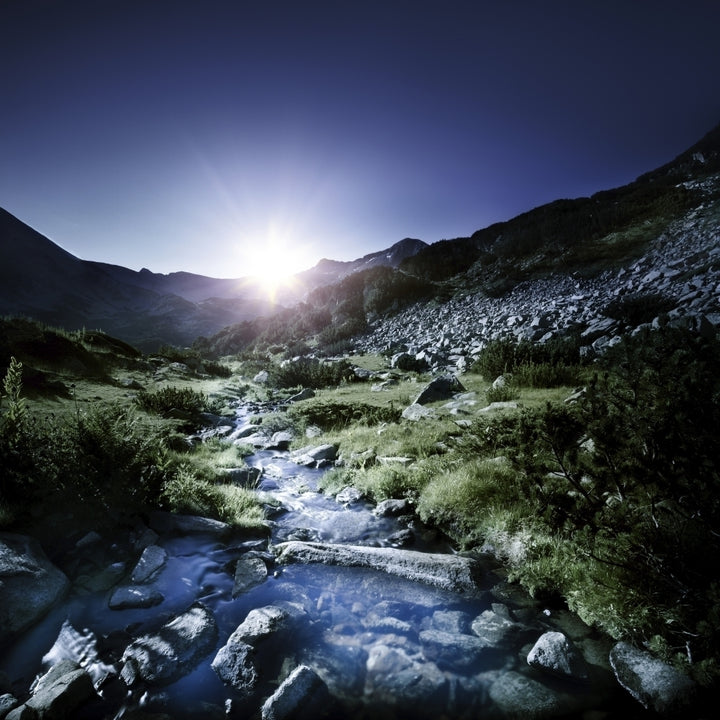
(29, 583)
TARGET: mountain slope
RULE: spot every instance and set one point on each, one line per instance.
(38, 279)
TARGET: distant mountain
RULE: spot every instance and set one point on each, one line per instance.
(40, 280)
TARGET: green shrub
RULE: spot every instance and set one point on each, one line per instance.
(310, 373)
(169, 400)
(332, 415)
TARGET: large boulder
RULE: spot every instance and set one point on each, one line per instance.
(250, 571)
(447, 572)
(57, 694)
(440, 388)
(173, 651)
(653, 683)
(555, 654)
(302, 695)
(29, 583)
(520, 696)
(151, 561)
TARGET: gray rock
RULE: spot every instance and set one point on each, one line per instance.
(448, 572)
(170, 523)
(520, 696)
(58, 693)
(348, 496)
(246, 477)
(417, 412)
(135, 596)
(262, 622)
(262, 377)
(8, 702)
(29, 583)
(654, 684)
(452, 621)
(303, 694)
(151, 561)
(173, 651)
(234, 664)
(555, 654)
(397, 680)
(440, 388)
(280, 440)
(497, 629)
(304, 394)
(453, 651)
(393, 507)
(250, 571)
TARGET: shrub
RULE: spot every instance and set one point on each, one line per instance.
(169, 400)
(310, 373)
(331, 415)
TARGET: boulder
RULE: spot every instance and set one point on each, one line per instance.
(250, 571)
(304, 394)
(447, 572)
(455, 651)
(151, 561)
(417, 412)
(302, 695)
(280, 440)
(29, 583)
(173, 651)
(170, 523)
(234, 664)
(555, 654)
(520, 696)
(440, 388)
(653, 683)
(58, 693)
(134, 596)
(393, 507)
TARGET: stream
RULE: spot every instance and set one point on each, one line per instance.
(386, 648)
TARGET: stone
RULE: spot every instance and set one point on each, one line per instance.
(234, 664)
(393, 508)
(173, 651)
(447, 572)
(497, 630)
(29, 583)
(304, 394)
(60, 692)
(521, 696)
(417, 412)
(397, 680)
(653, 683)
(302, 695)
(246, 477)
(455, 651)
(440, 388)
(555, 654)
(170, 523)
(151, 561)
(348, 496)
(280, 440)
(262, 377)
(250, 571)
(135, 596)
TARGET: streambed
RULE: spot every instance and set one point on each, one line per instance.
(384, 646)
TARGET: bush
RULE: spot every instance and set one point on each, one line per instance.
(170, 400)
(310, 373)
(329, 415)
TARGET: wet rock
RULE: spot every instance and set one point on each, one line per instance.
(280, 440)
(58, 693)
(521, 696)
(402, 538)
(246, 477)
(262, 622)
(302, 695)
(453, 651)
(8, 702)
(393, 508)
(440, 388)
(29, 582)
(397, 680)
(170, 523)
(250, 571)
(498, 629)
(151, 561)
(448, 572)
(234, 664)
(452, 621)
(173, 651)
(341, 666)
(555, 654)
(654, 684)
(348, 496)
(135, 596)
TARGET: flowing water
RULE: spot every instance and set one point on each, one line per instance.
(360, 629)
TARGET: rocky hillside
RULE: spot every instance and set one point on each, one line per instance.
(677, 277)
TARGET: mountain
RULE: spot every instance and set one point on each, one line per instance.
(612, 261)
(38, 279)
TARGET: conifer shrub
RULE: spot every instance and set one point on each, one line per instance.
(309, 372)
(169, 400)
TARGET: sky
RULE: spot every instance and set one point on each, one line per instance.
(226, 137)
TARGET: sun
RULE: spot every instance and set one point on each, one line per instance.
(272, 262)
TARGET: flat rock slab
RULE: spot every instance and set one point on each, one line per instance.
(151, 561)
(173, 651)
(448, 572)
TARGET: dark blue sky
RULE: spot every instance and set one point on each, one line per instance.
(188, 135)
